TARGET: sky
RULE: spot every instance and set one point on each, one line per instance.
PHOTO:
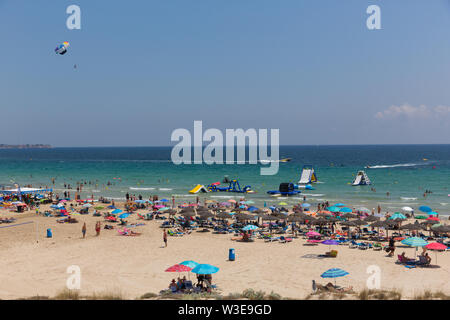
(310, 68)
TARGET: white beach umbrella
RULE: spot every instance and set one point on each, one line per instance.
(408, 209)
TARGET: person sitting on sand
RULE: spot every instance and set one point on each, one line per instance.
(428, 258)
(405, 258)
(173, 285)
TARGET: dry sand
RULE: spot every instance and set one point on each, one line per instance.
(135, 265)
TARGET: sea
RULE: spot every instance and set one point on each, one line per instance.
(400, 174)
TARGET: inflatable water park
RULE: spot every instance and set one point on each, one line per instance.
(361, 179)
(233, 186)
(307, 176)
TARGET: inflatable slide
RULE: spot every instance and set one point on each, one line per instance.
(198, 188)
(361, 179)
(308, 175)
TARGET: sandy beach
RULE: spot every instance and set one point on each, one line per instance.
(36, 265)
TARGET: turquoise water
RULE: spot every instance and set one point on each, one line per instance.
(399, 170)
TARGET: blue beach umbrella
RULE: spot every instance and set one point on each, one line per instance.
(415, 242)
(163, 209)
(250, 227)
(163, 200)
(124, 215)
(333, 209)
(425, 209)
(339, 205)
(139, 201)
(252, 208)
(397, 215)
(205, 269)
(306, 205)
(189, 263)
(334, 273)
(117, 211)
(432, 213)
(345, 210)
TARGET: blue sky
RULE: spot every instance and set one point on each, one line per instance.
(310, 68)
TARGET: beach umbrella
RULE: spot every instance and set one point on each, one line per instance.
(178, 268)
(111, 207)
(163, 209)
(205, 269)
(232, 200)
(163, 200)
(407, 209)
(425, 209)
(187, 213)
(124, 215)
(363, 209)
(333, 209)
(339, 205)
(345, 210)
(139, 201)
(205, 214)
(116, 211)
(432, 213)
(432, 219)
(421, 217)
(250, 227)
(371, 219)
(244, 216)
(313, 234)
(415, 242)
(349, 216)
(189, 263)
(282, 204)
(436, 246)
(397, 215)
(334, 273)
(330, 243)
(225, 204)
(306, 205)
(223, 215)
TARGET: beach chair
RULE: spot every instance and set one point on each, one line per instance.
(188, 286)
(377, 247)
(353, 245)
(283, 239)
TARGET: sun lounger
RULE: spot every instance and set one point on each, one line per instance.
(353, 244)
(285, 240)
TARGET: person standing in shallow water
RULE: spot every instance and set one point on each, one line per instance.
(83, 230)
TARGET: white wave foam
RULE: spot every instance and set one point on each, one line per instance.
(312, 195)
(406, 198)
(134, 188)
(165, 189)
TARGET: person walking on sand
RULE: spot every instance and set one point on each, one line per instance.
(165, 238)
(97, 228)
(83, 230)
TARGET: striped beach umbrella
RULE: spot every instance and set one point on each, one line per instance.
(397, 215)
(334, 273)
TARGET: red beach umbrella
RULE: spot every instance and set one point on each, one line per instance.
(436, 246)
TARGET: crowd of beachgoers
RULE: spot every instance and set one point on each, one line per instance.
(331, 226)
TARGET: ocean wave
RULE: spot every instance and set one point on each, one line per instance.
(383, 166)
(165, 189)
(134, 188)
(312, 195)
(406, 198)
